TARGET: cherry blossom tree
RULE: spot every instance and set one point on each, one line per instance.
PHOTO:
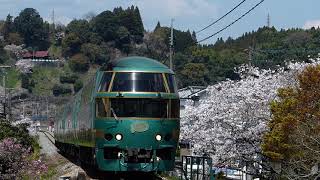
(230, 121)
(15, 161)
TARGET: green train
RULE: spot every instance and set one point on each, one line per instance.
(126, 118)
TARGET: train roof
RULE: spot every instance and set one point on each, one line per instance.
(137, 63)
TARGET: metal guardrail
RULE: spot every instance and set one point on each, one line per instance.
(196, 168)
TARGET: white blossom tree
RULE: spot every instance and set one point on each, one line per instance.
(230, 121)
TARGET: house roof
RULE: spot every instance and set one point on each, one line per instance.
(27, 55)
(37, 54)
(40, 54)
(190, 91)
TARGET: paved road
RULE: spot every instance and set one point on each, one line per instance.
(46, 145)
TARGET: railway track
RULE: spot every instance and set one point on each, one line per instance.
(49, 136)
(80, 172)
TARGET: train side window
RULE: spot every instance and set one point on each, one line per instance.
(101, 107)
(105, 81)
(171, 83)
(175, 108)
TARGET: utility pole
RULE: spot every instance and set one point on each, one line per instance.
(171, 45)
(47, 102)
(53, 23)
(9, 103)
(250, 56)
(23, 109)
(4, 91)
(4, 87)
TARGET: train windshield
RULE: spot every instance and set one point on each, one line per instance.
(140, 108)
(171, 83)
(138, 82)
(105, 81)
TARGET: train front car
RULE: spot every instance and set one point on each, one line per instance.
(137, 116)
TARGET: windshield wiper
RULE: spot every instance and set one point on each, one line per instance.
(114, 114)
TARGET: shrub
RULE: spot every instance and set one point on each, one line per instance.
(17, 148)
(68, 78)
(15, 162)
(60, 90)
(79, 63)
(78, 85)
(20, 133)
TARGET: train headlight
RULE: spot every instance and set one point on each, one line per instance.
(158, 137)
(119, 137)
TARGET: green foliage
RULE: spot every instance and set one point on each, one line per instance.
(157, 26)
(80, 28)
(12, 78)
(42, 80)
(27, 82)
(68, 78)
(294, 127)
(195, 74)
(19, 132)
(58, 90)
(182, 39)
(15, 38)
(156, 46)
(220, 176)
(118, 29)
(107, 24)
(8, 27)
(79, 63)
(50, 173)
(30, 26)
(123, 39)
(71, 44)
(215, 66)
(97, 54)
(271, 49)
(55, 51)
(3, 54)
(77, 86)
(93, 41)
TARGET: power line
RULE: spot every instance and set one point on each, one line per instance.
(232, 22)
(221, 17)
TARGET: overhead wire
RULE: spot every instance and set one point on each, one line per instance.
(226, 27)
(221, 17)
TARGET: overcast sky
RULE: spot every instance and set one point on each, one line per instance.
(188, 14)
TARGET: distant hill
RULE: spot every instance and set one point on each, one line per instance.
(209, 64)
(89, 43)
